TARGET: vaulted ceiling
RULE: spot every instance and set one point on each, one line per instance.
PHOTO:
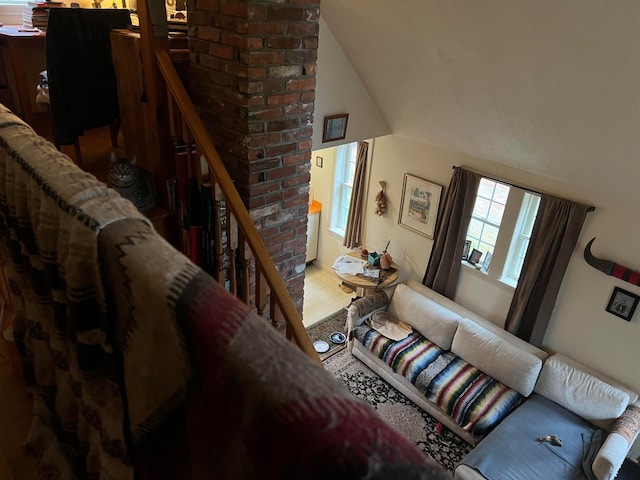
(547, 86)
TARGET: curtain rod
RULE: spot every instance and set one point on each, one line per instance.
(507, 182)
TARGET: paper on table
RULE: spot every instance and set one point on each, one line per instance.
(348, 264)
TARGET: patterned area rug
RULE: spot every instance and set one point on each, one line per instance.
(397, 410)
(323, 329)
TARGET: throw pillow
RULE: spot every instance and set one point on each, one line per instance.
(628, 424)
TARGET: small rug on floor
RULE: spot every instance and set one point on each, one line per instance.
(322, 330)
(397, 410)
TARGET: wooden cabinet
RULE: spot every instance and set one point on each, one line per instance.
(23, 58)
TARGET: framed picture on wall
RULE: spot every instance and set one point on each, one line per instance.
(622, 303)
(419, 205)
(335, 127)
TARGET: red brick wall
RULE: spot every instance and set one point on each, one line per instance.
(253, 67)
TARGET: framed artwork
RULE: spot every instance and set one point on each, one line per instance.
(335, 127)
(475, 256)
(622, 303)
(419, 206)
(466, 249)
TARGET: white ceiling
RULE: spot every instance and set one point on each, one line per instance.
(547, 86)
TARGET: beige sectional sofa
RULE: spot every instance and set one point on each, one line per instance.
(475, 378)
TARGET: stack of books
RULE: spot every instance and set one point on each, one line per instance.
(36, 13)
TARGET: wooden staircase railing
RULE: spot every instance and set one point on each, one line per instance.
(244, 246)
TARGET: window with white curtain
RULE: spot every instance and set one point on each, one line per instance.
(343, 185)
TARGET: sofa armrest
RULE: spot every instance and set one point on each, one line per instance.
(364, 307)
(617, 444)
(610, 457)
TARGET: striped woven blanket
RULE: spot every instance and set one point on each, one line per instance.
(476, 401)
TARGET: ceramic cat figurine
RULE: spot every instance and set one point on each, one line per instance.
(131, 182)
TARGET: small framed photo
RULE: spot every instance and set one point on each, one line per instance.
(475, 256)
(466, 249)
(419, 205)
(487, 261)
(335, 127)
(622, 303)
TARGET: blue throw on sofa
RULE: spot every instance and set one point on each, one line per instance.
(522, 455)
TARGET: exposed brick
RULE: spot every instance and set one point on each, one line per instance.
(208, 5)
(308, 96)
(261, 57)
(310, 42)
(284, 71)
(300, 29)
(297, 134)
(283, 99)
(266, 114)
(309, 69)
(283, 124)
(299, 108)
(283, 42)
(222, 51)
(296, 159)
(266, 28)
(224, 21)
(262, 140)
(301, 179)
(255, 12)
(305, 145)
(312, 14)
(280, 149)
(301, 84)
(281, 172)
(285, 13)
(302, 56)
(234, 8)
(211, 34)
(256, 101)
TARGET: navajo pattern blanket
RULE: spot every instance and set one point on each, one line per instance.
(51, 215)
(142, 366)
(476, 401)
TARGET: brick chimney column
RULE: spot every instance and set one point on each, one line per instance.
(253, 67)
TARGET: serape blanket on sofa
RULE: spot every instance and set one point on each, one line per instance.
(476, 401)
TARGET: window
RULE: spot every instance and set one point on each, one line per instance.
(343, 185)
(500, 227)
(487, 215)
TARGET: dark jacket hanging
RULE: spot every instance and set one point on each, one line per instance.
(82, 81)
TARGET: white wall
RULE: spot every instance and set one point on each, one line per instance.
(339, 90)
(580, 326)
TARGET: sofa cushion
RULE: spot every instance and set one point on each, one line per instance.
(432, 320)
(513, 451)
(496, 357)
(580, 392)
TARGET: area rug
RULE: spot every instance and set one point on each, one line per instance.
(322, 330)
(397, 410)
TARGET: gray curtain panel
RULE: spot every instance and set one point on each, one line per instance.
(553, 239)
(353, 232)
(443, 268)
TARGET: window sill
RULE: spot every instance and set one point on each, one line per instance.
(468, 267)
(336, 232)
